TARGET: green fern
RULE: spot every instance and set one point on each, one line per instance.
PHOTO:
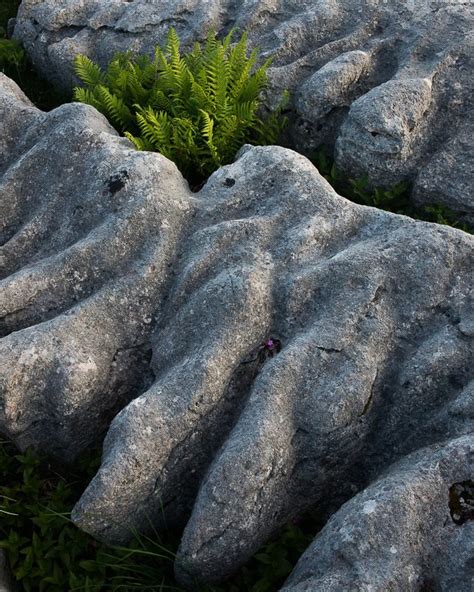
(114, 107)
(196, 108)
(88, 72)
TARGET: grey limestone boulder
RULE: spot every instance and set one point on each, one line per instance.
(402, 532)
(265, 340)
(88, 233)
(388, 84)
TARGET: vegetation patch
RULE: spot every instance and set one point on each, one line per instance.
(15, 64)
(394, 199)
(197, 108)
(47, 553)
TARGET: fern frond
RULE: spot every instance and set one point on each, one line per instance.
(87, 71)
(114, 107)
(161, 101)
(155, 127)
(238, 58)
(207, 130)
(199, 98)
(252, 87)
(173, 43)
(239, 82)
(137, 93)
(87, 96)
(246, 112)
(228, 138)
(139, 143)
(147, 71)
(211, 42)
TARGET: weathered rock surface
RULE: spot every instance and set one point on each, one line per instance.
(107, 256)
(401, 533)
(389, 83)
(89, 232)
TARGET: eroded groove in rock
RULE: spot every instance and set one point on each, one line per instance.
(115, 261)
(85, 262)
(362, 379)
(388, 83)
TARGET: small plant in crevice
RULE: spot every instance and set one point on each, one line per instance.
(12, 54)
(12, 57)
(196, 108)
(394, 199)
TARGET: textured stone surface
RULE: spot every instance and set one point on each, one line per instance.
(108, 257)
(89, 231)
(400, 533)
(389, 83)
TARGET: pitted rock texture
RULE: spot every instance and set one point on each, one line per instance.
(108, 258)
(399, 534)
(388, 84)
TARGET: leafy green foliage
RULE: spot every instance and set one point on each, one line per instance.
(12, 56)
(197, 109)
(47, 553)
(394, 199)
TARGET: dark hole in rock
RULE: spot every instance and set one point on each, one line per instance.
(196, 188)
(461, 501)
(229, 182)
(117, 182)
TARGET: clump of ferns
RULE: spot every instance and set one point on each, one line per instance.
(196, 108)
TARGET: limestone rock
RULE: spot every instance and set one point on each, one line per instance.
(388, 83)
(401, 533)
(89, 232)
(374, 314)
(299, 343)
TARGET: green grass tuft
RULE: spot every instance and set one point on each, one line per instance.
(47, 553)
